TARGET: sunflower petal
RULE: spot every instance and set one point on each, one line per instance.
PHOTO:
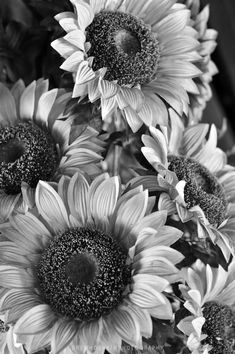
(51, 207)
(67, 21)
(76, 38)
(73, 61)
(7, 205)
(7, 107)
(62, 334)
(84, 73)
(38, 319)
(77, 197)
(105, 198)
(17, 90)
(108, 106)
(63, 47)
(193, 137)
(84, 14)
(44, 107)
(13, 277)
(128, 214)
(107, 88)
(127, 327)
(27, 101)
(17, 302)
(133, 119)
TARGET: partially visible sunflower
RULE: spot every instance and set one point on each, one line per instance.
(209, 298)
(7, 344)
(136, 57)
(207, 43)
(90, 270)
(194, 178)
(35, 144)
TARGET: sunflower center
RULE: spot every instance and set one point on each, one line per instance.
(82, 274)
(125, 46)
(81, 268)
(11, 151)
(126, 42)
(220, 328)
(202, 188)
(27, 154)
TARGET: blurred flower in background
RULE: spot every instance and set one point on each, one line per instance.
(207, 43)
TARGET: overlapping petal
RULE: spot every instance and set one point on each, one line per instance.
(103, 206)
(204, 285)
(37, 106)
(141, 102)
(196, 144)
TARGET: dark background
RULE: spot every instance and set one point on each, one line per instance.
(222, 18)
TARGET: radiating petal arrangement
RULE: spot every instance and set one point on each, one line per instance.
(188, 167)
(117, 201)
(209, 297)
(36, 143)
(108, 245)
(136, 59)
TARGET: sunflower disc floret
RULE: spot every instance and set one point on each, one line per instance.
(202, 188)
(27, 154)
(82, 273)
(219, 327)
(125, 46)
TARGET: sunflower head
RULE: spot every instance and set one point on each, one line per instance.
(89, 261)
(28, 154)
(209, 299)
(124, 45)
(8, 344)
(37, 142)
(136, 59)
(202, 188)
(188, 164)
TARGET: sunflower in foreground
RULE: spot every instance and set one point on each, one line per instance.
(136, 57)
(207, 44)
(194, 178)
(209, 294)
(36, 145)
(90, 270)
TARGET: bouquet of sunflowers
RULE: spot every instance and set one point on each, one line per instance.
(117, 207)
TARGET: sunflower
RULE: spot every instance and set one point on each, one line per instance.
(137, 58)
(36, 145)
(7, 345)
(207, 39)
(89, 270)
(196, 183)
(209, 295)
